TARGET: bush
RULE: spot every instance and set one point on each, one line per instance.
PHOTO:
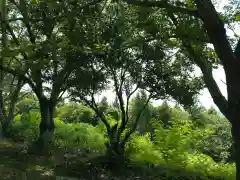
(173, 153)
(174, 150)
(27, 105)
(75, 113)
(25, 127)
(80, 135)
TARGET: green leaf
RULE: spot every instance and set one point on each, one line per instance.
(237, 18)
(35, 1)
(9, 53)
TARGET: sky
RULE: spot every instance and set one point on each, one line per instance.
(219, 75)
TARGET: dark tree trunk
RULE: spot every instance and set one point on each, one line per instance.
(115, 148)
(115, 154)
(2, 116)
(233, 88)
(236, 137)
(231, 158)
(46, 127)
(236, 142)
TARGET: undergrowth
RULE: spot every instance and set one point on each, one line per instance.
(172, 150)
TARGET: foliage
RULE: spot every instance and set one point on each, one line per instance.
(75, 50)
(136, 105)
(75, 113)
(25, 127)
(174, 149)
(27, 105)
(180, 147)
(77, 135)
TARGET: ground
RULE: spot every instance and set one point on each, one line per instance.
(73, 164)
(61, 164)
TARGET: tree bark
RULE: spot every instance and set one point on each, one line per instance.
(46, 127)
(115, 153)
(236, 144)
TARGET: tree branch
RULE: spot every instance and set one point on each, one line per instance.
(206, 69)
(94, 106)
(164, 5)
(14, 98)
(133, 129)
(15, 39)
(216, 32)
(128, 99)
(119, 94)
(23, 10)
(237, 50)
(60, 78)
(211, 84)
(19, 75)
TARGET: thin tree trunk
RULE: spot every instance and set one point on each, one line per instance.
(2, 115)
(3, 48)
(10, 116)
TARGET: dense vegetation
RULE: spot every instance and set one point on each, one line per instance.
(168, 143)
(58, 57)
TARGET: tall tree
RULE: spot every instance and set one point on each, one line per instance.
(10, 85)
(115, 103)
(130, 61)
(104, 104)
(211, 29)
(146, 116)
(39, 31)
(163, 113)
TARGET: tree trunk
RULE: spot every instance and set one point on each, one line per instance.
(115, 154)
(46, 128)
(115, 149)
(2, 116)
(7, 125)
(236, 142)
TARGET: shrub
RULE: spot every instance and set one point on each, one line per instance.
(75, 113)
(171, 152)
(80, 135)
(25, 127)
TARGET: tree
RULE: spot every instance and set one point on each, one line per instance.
(11, 95)
(75, 113)
(103, 105)
(131, 62)
(10, 85)
(163, 113)
(42, 50)
(115, 103)
(211, 26)
(146, 116)
(112, 63)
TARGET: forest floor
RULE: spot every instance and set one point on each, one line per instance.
(17, 164)
(69, 164)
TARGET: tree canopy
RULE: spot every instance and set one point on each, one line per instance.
(76, 50)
